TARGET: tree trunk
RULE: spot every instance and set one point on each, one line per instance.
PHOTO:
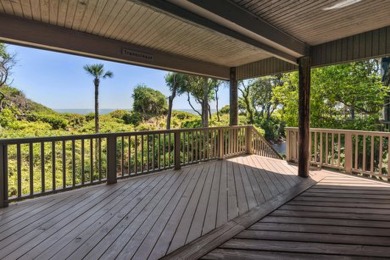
(193, 108)
(216, 104)
(209, 112)
(96, 82)
(353, 111)
(170, 102)
(205, 104)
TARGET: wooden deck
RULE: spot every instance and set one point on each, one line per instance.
(341, 217)
(143, 217)
(246, 207)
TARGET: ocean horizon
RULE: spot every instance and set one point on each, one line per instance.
(104, 111)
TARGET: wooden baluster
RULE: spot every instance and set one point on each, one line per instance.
(177, 150)
(31, 168)
(73, 164)
(111, 159)
(158, 151)
(43, 183)
(135, 154)
(122, 166)
(356, 152)
(321, 148)
(129, 155)
(19, 170)
(53, 164)
(221, 144)
(364, 153)
(91, 152)
(142, 153)
(99, 140)
(348, 152)
(372, 155)
(3, 175)
(380, 154)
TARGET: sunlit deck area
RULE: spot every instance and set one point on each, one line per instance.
(247, 206)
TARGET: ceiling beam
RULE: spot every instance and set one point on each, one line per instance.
(238, 19)
(185, 15)
(44, 36)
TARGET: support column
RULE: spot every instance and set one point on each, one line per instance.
(233, 97)
(304, 116)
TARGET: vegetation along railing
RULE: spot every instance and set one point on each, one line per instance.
(37, 166)
(362, 152)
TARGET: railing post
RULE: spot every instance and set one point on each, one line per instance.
(177, 150)
(221, 144)
(288, 140)
(248, 139)
(3, 176)
(348, 153)
(111, 159)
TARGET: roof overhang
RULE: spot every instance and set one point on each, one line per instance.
(202, 37)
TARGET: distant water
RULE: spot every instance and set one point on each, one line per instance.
(82, 111)
(104, 111)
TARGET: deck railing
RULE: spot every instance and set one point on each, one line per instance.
(362, 152)
(32, 167)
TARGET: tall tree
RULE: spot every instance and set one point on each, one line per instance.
(246, 100)
(97, 71)
(202, 90)
(176, 83)
(7, 62)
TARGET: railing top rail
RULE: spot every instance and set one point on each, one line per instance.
(329, 130)
(105, 135)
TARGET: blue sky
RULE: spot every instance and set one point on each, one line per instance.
(59, 81)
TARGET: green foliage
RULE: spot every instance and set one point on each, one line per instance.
(55, 121)
(225, 110)
(89, 116)
(120, 113)
(342, 96)
(133, 118)
(149, 102)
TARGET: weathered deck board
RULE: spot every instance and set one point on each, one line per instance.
(142, 217)
(341, 217)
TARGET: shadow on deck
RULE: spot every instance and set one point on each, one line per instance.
(188, 213)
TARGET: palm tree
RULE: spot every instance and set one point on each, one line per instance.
(97, 71)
